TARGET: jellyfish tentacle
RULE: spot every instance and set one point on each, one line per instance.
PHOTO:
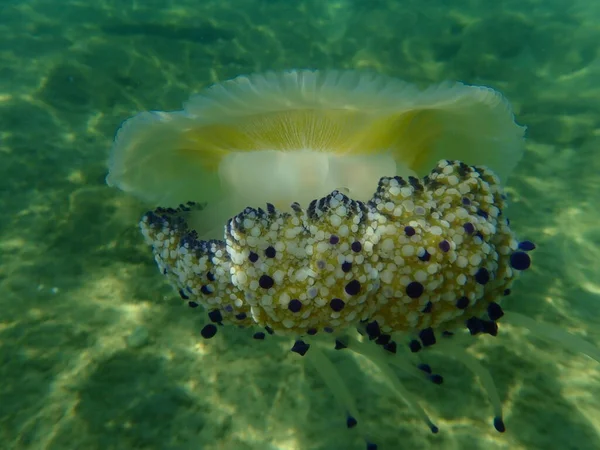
(553, 333)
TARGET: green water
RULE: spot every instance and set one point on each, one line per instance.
(95, 350)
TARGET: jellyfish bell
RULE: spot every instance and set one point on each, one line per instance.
(297, 135)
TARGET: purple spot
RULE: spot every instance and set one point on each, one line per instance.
(414, 289)
(337, 304)
(520, 260)
(444, 246)
(295, 305)
(469, 228)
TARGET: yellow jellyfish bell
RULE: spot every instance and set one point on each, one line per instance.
(294, 136)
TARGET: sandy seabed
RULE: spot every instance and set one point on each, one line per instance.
(96, 352)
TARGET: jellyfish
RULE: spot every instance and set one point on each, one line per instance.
(339, 210)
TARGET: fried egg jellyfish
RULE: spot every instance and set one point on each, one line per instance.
(384, 215)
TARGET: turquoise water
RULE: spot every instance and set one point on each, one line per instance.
(95, 350)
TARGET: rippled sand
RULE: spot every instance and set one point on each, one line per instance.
(97, 353)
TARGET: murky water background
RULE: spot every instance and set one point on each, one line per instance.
(97, 353)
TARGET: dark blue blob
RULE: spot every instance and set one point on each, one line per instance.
(520, 260)
(409, 231)
(499, 424)
(371, 446)
(205, 290)
(215, 316)
(425, 368)
(434, 429)
(266, 282)
(311, 331)
(414, 289)
(295, 305)
(333, 239)
(192, 304)
(270, 252)
(414, 346)
(462, 302)
(425, 256)
(351, 422)
(373, 330)
(427, 337)
(300, 347)
(353, 287)
(182, 295)
(210, 276)
(346, 267)
(475, 325)
(444, 246)
(390, 347)
(469, 228)
(253, 257)
(337, 304)
(384, 339)
(208, 331)
(356, 246)
(527, 246)
(466, 201)
(482, 276)
(241, 316)
(268, 329)
(436, 378)
(259, 335)
(339, 345)
(482, 213)
(506, 291)
(489, 327)
(494, 311)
